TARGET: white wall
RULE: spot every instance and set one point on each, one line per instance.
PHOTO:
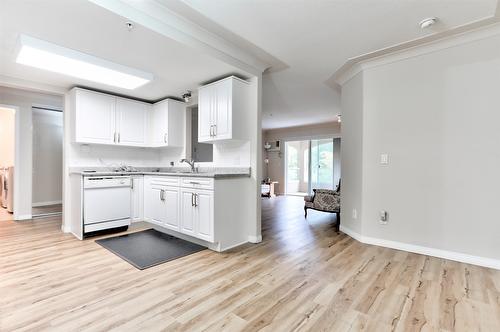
(436, 115)
(24, 101)
(47, 157)
(352, 153)
(276, 167)
(7, 136)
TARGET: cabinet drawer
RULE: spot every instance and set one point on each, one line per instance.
(198, 183)
(163, 180)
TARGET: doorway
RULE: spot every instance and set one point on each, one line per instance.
(7, 161)
(311, 164)
(47, 161)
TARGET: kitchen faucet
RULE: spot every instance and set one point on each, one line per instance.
(191, 163)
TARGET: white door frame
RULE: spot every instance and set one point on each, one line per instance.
(17, 154)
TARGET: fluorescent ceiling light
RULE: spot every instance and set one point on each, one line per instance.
(44, 55)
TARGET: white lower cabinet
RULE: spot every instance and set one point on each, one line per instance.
(187, 212)
(137, 198)
(197, 213)
(184, 209)
(204, 211)
(161, 204)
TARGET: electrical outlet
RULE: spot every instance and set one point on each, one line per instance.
(384, 159)
(384, 217)
(354, 214)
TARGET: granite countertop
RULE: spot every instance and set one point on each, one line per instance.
(206, 172)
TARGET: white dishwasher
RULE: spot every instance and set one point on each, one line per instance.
(106, 202)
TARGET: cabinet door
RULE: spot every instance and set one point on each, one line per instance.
(137, 198)
(206, 101)
(204, 215)
(131, 122)
(223, 110)
(94, 117)
(160, 124)
(171, 206)
(154, 207)
(187, 212)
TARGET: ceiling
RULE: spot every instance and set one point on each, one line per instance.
(86, 27)
(305, 42)
(315, 37)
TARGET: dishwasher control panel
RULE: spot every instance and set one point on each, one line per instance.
(107, 182)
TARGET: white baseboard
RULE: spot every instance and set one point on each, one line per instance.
(451, 255)
(255, 239)
(24, 217)
(38, 204)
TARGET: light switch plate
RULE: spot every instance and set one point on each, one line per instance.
(384, 158)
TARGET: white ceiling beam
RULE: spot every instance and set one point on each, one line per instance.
(18, 83)
(161, 19)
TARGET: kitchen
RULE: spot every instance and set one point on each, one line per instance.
(195, 203)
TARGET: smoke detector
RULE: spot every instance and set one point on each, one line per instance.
(427, 22)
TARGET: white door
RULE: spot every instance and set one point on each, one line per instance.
(206, 101)
(154, 207)
(204, 215)
(171, 206)
(187, 212)
(137, 198)
(131, 122)
(95, 118)
(223, 110)
(160, 124)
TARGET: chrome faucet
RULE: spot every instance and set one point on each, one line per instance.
(191, 163)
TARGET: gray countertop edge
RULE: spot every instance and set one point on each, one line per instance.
(219, 173)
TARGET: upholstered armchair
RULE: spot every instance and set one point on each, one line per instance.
(324, 200)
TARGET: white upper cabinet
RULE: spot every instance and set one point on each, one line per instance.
(94, 117)
(223, 110)
(131, 122)
(168, 121)
(206, 98)
(100, 118)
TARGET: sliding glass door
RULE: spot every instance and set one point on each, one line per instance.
(297, 168)
(322, 164)
(309, 164)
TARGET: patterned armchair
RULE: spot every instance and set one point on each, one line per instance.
(324, 200)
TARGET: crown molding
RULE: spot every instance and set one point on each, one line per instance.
(168, 18)
(457, 36)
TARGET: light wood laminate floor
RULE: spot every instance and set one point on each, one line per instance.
(4, 215)
(38, 210)
(302, 277)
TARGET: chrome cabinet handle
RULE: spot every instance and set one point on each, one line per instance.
(211, 131)
(162, 195)
(114, 137)
(118, 137)
(132, 184)
(215, 130)
(192, 182)
(165, 138)
(195, 199)
(192, 199)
